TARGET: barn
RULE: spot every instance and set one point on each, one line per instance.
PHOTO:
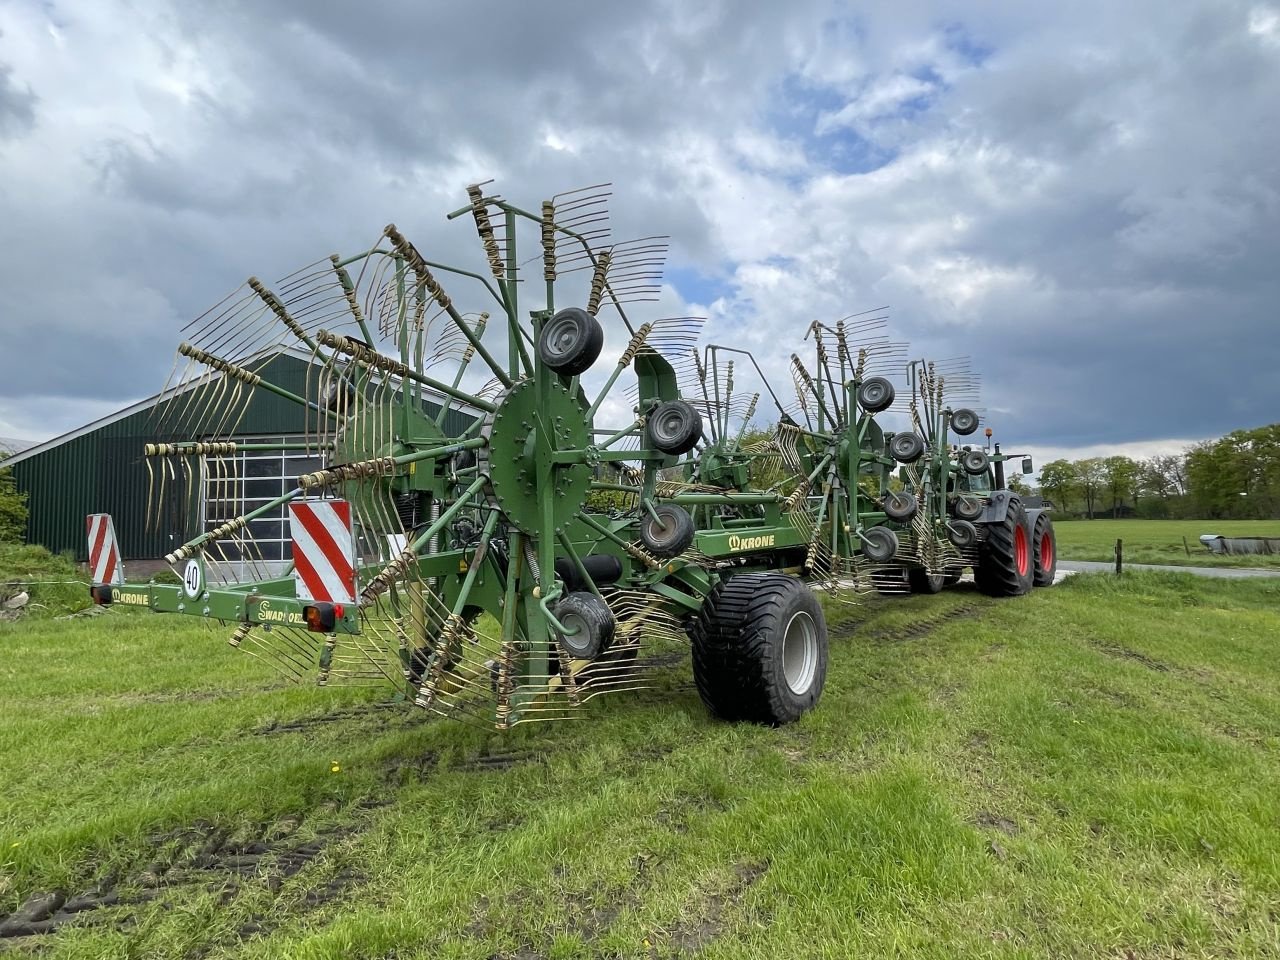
(100, 468)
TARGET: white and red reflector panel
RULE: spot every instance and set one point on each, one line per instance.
(104, 552)
(324, 550)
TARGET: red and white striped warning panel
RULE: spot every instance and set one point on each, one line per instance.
(104, 553)
(324, 550)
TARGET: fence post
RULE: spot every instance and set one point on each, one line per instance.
(1119, 556)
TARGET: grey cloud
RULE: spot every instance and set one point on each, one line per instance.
(1117, 161)
(17, 106)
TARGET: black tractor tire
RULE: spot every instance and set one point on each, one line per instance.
(974, 462)
(570, 341)
(671, 535)
(900, 507)
(951, 577)
(1005, 565)
(760, 649)
(674, 427)
(882, 546)
(966, 507)
(922, 581)
(593, 620)
(1044, 544)
(906, 447)
(964, 421)
(875, 394)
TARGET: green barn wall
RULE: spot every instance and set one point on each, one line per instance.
(104, 471)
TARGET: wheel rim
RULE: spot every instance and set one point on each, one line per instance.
(562, 337)
(1020, 551)
(1046, 552)
(661, 531)
(578, 644)
(800, 653)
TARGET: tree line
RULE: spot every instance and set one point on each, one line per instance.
(1236, 477)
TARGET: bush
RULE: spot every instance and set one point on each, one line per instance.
(13, 509)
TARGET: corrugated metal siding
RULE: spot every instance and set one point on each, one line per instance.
(104, 472)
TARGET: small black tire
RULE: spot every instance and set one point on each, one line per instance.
(1005, 566)
(570, 341)
(674, 427)
(974, 462)
(922, 581)
(899, 506)
(879, 544)
(962, 534)
(875, 394)
(965, 507)
(1044, 546)
(670, 535)
(964, 421)
(760, 649)
(593, 620)
(906, 447)
(951, 577)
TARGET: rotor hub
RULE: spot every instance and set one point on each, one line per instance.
(525, 479)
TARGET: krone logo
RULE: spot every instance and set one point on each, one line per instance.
(750, 543)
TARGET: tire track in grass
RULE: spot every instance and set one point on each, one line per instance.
(199, 858)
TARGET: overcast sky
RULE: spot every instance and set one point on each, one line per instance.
(1084, 196)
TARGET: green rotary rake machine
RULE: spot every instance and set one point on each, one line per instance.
(447, 545)
(501, 527)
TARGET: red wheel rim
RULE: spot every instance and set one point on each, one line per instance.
(1046, 552)
(1020, 551)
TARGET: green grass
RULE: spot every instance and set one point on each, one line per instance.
(1089, 771)
(1160, 541)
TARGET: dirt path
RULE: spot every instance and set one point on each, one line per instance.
(1097, 566)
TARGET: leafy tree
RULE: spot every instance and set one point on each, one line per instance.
(1090, 476)
(1058, 479)
(1120, 475)
(13, 507)
(1236, 476)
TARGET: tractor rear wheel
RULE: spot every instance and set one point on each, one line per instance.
(760, 649)
(1005, 563)
(1044, 543)
(922, 581)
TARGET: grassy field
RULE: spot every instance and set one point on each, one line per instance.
(1160, 541)
(1090, 771)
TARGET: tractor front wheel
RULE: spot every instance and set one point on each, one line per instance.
(760, 649)
(1005, 561)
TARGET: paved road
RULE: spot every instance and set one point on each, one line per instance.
(1091, 566)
